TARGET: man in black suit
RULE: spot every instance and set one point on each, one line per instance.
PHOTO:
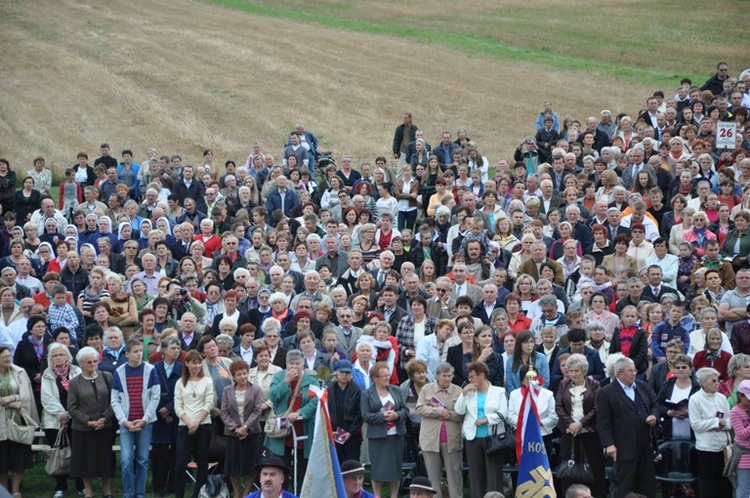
(627, 413)
(558, 172)
(489, 303)
(386, 258)
(654, 291)
(613, 224)
(547, 136)
(390, 309)
(188, 336)
(181, 247)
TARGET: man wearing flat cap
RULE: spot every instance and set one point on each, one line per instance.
(272, 473)
(421, 487)
(353, 473)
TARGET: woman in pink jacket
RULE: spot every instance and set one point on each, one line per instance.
(740, 419)
(699, 234)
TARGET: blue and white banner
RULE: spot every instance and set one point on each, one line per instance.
(534, 473)
(323, 477)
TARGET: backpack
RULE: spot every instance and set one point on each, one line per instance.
(215, 487)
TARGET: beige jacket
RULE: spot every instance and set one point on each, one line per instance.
(26, 397)
(265, 386)
(429, 433)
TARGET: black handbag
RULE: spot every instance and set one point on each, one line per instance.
(573, 471)
(499, 444)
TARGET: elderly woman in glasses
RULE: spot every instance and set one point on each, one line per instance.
(92, 421)
(673, 400)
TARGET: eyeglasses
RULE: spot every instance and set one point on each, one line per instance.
(442, 291)
(272, 336)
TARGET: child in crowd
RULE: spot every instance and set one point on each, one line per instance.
(71, 194)
(60, 313)
(476, 233)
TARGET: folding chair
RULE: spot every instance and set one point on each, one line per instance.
(192, 466)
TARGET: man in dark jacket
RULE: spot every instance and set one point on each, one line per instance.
(547, 136)
(189, 186)
(390, 309)
(627, 412)
(437, 254)
(74, 277)
(716, 82)
(404, 135)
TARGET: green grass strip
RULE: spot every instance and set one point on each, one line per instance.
(468, 43)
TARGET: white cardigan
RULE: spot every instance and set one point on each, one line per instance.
(496, 404)
(545, 406)
(52, 408)
(703, 409)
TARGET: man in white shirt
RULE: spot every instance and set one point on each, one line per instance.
(149, 275)
(24, 277)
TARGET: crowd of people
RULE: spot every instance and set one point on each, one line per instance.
(186, 308)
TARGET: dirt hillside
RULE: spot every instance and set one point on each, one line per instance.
(182, 75)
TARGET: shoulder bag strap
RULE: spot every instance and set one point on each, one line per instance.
(573, 448)
(294, 395)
